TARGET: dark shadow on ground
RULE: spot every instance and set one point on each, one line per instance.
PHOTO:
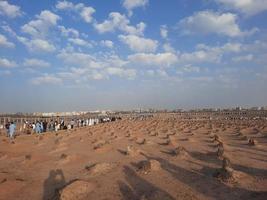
(210, 157)
(250, 170)
(53, 183)
(245, 147)
(137, 188)
(203, 182)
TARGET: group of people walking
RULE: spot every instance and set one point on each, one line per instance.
(42, 126)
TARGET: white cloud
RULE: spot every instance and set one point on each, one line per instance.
(96, 75)
(206, 22)
(33, 62)
(243, 58)
(168, 48)
(157, 73)
(80, 59)
(248, 7)
(200, 56)
(162, 73)
(80, 42)
(121, 72)
(46, 79)
(139, 44)
(231, 47)
(9, 10)
(5, 63)
(40, 27)
(33, 45)
(209, 54)
(9, 30)
(89, 67)
(85, 12)
(68, 32)
(5, 43)
(121, 22)
(64, 5)
(164, 31)
(227, 47)
(114, 61)
(37, 45)
(107, 43)
(132, 4)
(157, 60)
(88, 61)
(190, 68)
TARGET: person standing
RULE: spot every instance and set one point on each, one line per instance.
(7, 125)
(11, 131)
(38, 127)
(72, 123)
(45, 125)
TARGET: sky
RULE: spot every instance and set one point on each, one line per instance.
(130, 54)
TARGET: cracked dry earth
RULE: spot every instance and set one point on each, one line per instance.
(157, 158)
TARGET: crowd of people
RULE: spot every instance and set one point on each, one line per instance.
(42, 126)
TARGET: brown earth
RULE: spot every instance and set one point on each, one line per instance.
(157, 158)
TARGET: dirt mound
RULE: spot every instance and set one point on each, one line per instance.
(100, 168)
(76, 190)
(226, 173)
(99, 144)
(163, 141)
(177, 151)
(147, 166)
(133, 151)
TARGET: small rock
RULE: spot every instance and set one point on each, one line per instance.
(28, 157)
(99, 144)
(251, 142)
(63, 156)
(128, 135)
(140, 140)
(152, 134)
(163, 136)
(163, 142)
(3, 180)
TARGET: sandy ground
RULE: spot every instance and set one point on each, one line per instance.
(157, 158)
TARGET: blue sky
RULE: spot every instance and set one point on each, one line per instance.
(126, 54)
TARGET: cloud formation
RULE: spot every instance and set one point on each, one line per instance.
(247, 7)
(132, 4)
(9, 10)
(5, 43)
(5, 63)
(33, 62)
(40, 27)
(207, 22)
(85, 12)
(117, 21)
(139, 44)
